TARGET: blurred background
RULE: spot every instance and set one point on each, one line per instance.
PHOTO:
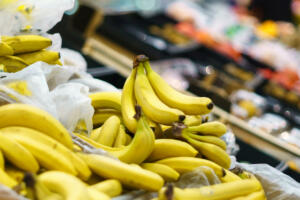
(244, 54)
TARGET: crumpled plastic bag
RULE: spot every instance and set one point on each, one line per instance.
(277, 185)
(8, 194)
(31, 16)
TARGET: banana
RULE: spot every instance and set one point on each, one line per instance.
(96, 195)
(35, 118)
(111, 187)
(26, 43)
(70, 187)
(166, 148)
(12, 63)
(209, 128)
(128, 139)
(190, 105)
(126, 174)
(42, 55)
(48, 152)
(229, 177)
(128, 102)
(121, 138)
(101, 115)
(193, 120)
(15, 173)
(2, 161)
(6, 180)
(110, 100)
(5, 50)
(17, 154)
(210, 151)
(210, 139)
(214, 192)
(95, 133)
(259, 195)
(186, 164)
(109, 131)
(153, 108)
(168, 173)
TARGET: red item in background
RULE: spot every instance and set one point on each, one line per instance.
(286, 77)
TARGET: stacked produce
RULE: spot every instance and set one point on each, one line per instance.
(152, 135)
(18, 52)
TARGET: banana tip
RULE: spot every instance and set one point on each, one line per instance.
(139, 58)
(169, 193)
(29, 179)
(210, 106)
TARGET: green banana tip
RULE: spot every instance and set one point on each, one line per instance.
(169, 193)
(138, 59)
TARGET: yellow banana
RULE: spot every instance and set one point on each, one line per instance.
(70, 187)
(2, 161)
(128, 102)
(35, 118)
(153, 108)
(121, 138)
(193, 120)
(3, 68)
(95, 133)
(109, 131)
(166, 148)
(6, 180)
(96, 195)
(168, 173)
(17, 154)
(15, 173)
(42, 55)
(48, 152)
(101, 115)
(26, 43)
(209, 128)
(111, 187)
(259, 195)
(110, 100)
(126, 174)
(128, 139)
(210, 151)
(213, 192)
(13, 63)
(210, 139)
(186, 164)
(188, 104)
(229, 177)
(5, 50)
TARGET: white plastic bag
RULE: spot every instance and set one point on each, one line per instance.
(8, 194)
(34, 16)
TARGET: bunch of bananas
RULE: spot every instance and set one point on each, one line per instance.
(17, 52)
(152, 133)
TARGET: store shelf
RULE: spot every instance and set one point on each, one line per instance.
(112, 55)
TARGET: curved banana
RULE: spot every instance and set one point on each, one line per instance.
(128, 102)
(70, 187)
(126, 174)
(188, 104)
(111, 187)
(110, 100)
(95, 133)
(41, 191)
(214, 128)
(259, 195)
(48, 152)
(2, 161)
(17, 154)
(166, 148)
(192, 120)
(35, 118)
(210, 151)
(168, 173)
(13, 63)
(128, 139)
(186, 164)
(109, 131)
(26, 43)
(210, 139)
(5, 50)
(96, 195)
(42, 55)
(101, 115)
(15, 173)
(214, 192)
(6, 180)
(121, 138)
(153, 108)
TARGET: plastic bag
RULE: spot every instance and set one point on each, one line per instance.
(8, 194)
(277, 185)
(33, 16)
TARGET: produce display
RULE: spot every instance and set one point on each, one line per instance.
(146, 136)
